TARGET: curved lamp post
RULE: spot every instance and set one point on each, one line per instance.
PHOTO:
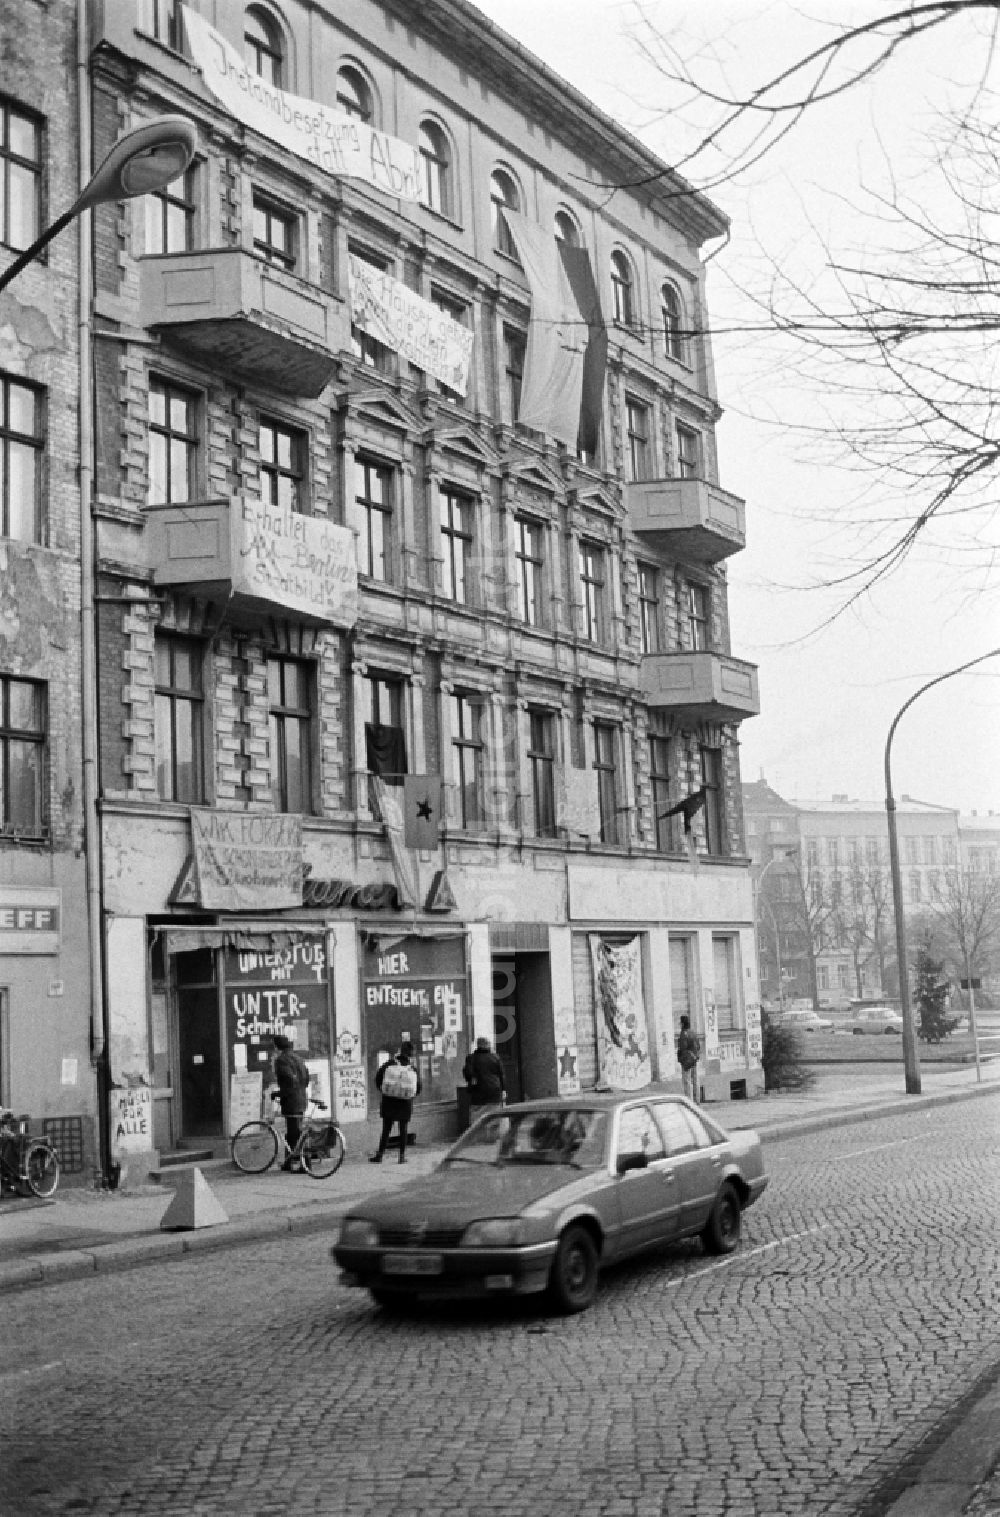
(145, 159)
(911, 1062)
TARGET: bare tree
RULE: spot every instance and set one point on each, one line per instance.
(967, 913)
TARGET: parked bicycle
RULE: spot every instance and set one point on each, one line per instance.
(320, 1148)
(26, 1162)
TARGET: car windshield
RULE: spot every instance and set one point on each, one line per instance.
(562, 1135)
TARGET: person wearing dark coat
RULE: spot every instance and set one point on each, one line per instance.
(483, 1073)
(396, 1108)
(293, 1077)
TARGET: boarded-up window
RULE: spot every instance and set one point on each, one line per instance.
(724, 963)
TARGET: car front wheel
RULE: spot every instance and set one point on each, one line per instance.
(573, 1282)
(722, 1231)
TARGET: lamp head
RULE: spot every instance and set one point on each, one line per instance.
(145, 159)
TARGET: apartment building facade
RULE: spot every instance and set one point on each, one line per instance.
(402, 675)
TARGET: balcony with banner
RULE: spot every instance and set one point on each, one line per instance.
(700, 686)
(689, 519)
(260, 558)
(244, 317)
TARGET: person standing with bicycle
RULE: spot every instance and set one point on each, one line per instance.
(293, 1077)
(397, 1082)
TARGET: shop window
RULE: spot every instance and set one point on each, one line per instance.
(23, 745)
(173, 443)
(290, 699)
(275, 232)
(21, 182)
(417, 990)
(21, 456)
(283, 453)
(529, 558)
(264, 46)
(456, 518)
(354, 96)
(438, 193)
(179, 719)
(541, 758)
(373, 484)
(606, 739)
(170, 216)
(592, 566)
(649, 609)
(637, 427)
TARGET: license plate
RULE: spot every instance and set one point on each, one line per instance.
(412, 1264)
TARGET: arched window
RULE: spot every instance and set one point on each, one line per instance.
(566, 230)
(264, 45)
(353, 94)
(503, 192)
(623, 296)
(435, 154)
(674, 338)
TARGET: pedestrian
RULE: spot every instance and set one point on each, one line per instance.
(688, 1053)
(483, 1073)
(397, 1082)
(293, 1077)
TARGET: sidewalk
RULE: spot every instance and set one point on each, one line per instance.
(82, 1232)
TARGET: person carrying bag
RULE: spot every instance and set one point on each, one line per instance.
(397, 1082)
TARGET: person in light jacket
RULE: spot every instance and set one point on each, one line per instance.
(396, 1106)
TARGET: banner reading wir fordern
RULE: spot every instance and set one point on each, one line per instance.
(247, 860)
(332, 140)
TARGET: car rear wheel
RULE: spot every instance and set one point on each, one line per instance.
(722, 1231)
(857, 1031)
(573, 1282)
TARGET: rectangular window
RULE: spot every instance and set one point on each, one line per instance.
(605, 752)
(373, 493)
(911, 850)
(384, 700)
(459, 312)
(726, 983)
(916, 886)
(170, 216)
(289, 693)
(528, 553)
(930, 850)
(367, 350)
(649, 609)
(542, 757)
(592, 587)
(681, 980)
(467, 717)
(385, 731)
(283, 452)
(20, 177)
(688, 453)
(456, 545)
(173, 443)
(514, 344)
(274, 232)
(22, 757)
(659, 779)
(711, 778)
(698, 617)
(637, 426)
(179, 719)
(159, 19)
(20, 461)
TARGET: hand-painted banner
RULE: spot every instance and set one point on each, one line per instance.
(330, 139)
(415, 328)
(247, 860)
(622, 1043)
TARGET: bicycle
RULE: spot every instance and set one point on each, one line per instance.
(320, 1149)
(24, 1160)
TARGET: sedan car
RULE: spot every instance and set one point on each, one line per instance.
(876, 1019)
(543, 1195)
(808, 1021)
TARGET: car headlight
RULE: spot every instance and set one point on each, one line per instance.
(494, 1232)
(355, 1232)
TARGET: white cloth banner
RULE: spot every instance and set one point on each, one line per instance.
(622, 1041)
(399, 319)
(552, 384)
(330, 139)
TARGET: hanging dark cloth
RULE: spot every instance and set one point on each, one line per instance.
(385, 752)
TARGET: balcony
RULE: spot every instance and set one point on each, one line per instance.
(243, 317)
(687, 518)
(259, 558)
(700, 686)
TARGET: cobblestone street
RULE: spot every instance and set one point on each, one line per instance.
(794, 1377)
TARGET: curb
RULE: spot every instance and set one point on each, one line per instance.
(156, 1248)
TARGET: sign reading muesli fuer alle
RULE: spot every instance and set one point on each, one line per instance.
(330, 139)
(245, 860)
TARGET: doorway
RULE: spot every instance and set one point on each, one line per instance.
(199, 1044)
(523, 1028)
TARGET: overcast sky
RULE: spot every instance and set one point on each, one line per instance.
(829, 696)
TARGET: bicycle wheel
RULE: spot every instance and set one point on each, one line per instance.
(41, 1169)
(323, 1151)
(255, 1147)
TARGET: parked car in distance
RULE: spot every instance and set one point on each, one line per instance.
(876, 1019)
(542, 1195)
(808, 1021)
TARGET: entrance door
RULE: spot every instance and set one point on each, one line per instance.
(199, 1042)
(523, 1024)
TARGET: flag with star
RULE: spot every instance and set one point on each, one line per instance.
(423, 806)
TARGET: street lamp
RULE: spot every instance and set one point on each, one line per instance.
(911, 1062)
(144, 160)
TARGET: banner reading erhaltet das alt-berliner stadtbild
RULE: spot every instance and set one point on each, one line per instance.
(332, 140)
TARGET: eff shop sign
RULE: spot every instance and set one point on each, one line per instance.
(30, 920)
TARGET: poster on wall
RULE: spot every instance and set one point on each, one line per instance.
(131, 1119)
(567, 1060)
(351, 1092)
(755, 1040)
(622, 1041)
(245, 1099)
(280, 988)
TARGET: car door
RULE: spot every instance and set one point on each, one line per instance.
(696, 1160)
(648, 1196)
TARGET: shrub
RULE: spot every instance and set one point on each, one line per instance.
(781, 1056)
